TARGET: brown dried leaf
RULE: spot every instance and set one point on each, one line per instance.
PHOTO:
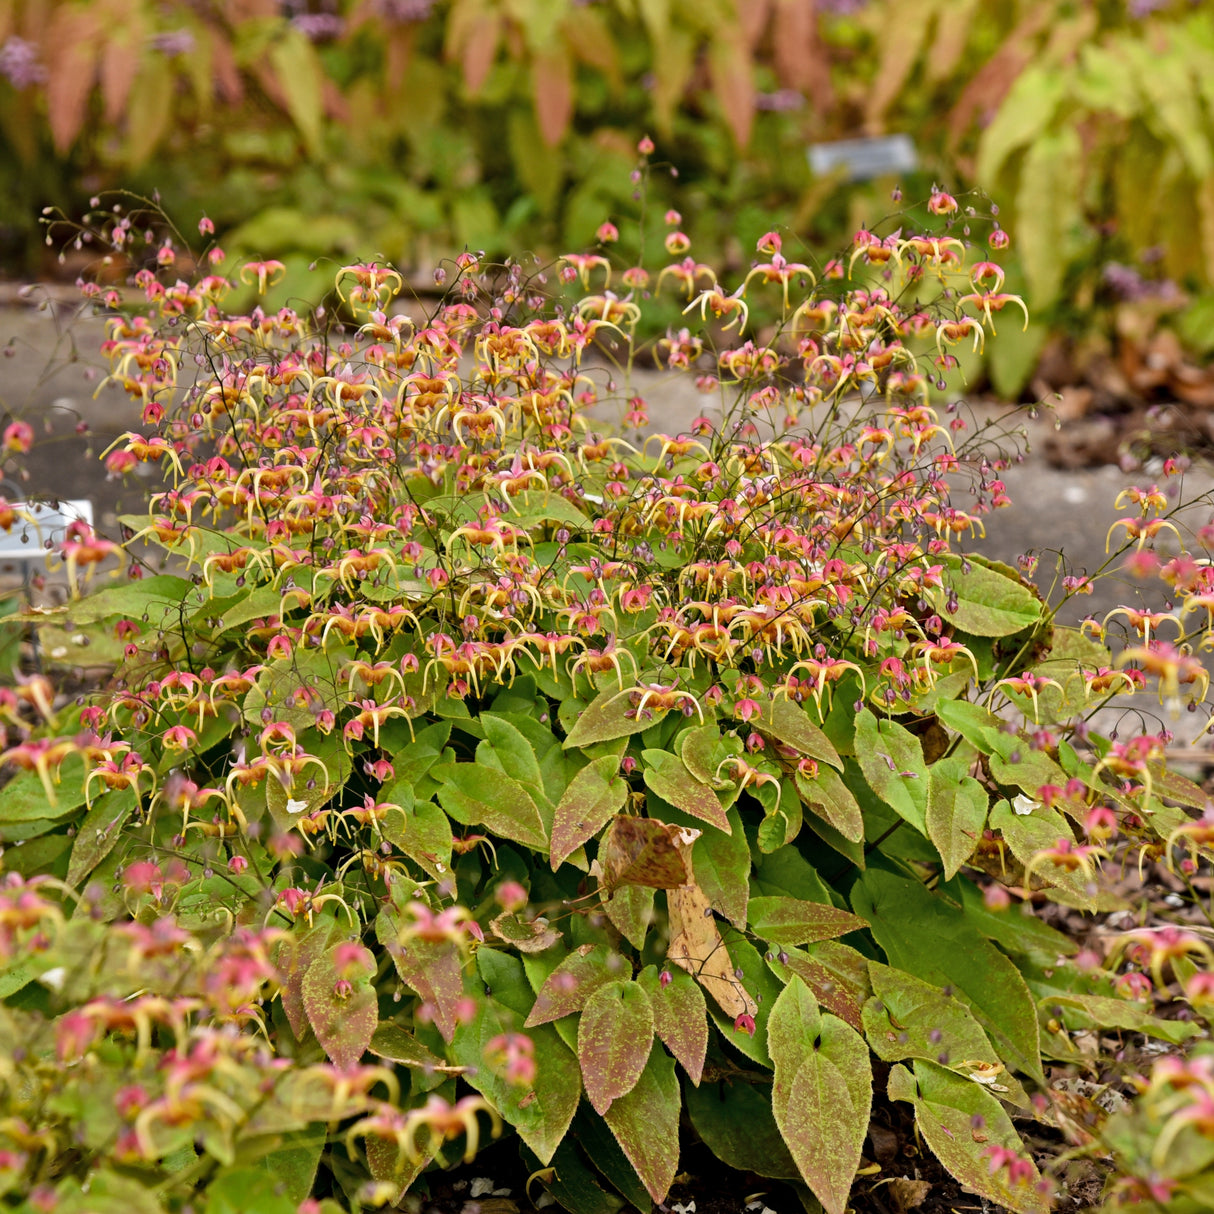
(641, 851)
(120, 61)
(696, 945)
(988, 87)
(906, 1194)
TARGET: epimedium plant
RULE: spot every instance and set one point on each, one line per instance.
(470, 767)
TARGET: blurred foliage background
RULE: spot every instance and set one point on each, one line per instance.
(409, 129)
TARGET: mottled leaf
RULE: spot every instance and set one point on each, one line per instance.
(924, 934)
(614, 1036)
(594, 795)
(397, 1045)
(646, 1124)
(431, 968)
(541, 1113)
(1103, 1012)
(680, 1017)
(526, 935)
(701, 749)
(472, 793)
(630, 910)
(340, 1001)
(946, 1111)
(567, 988)
(667, 775)
(605, 718)
(828, 797)
(839, 994)
(389, 1164)
(294, 959)
(991, 600)
(789, 723)
(1039, 830)
(909, 1018)
(892, 762)
(821, 1094)
(420, 829)
(781, 920)
(956, 814)
(100, 830)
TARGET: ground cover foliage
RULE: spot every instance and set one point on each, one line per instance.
(470, 769)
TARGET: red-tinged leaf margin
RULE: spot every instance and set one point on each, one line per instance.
(821, 1094)
(294, 958)
(614, 1036)
(680, 1017)
(594, 796)
(570, 985)
(646, 1124)
(343, 1023)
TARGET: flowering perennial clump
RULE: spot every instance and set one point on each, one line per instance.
(467, 755)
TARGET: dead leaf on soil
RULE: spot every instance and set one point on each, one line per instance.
(906, 1194)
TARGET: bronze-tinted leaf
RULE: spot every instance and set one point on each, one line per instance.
(630, 910)
(836, 974)
(668, 776)
(680, 1017)
(945, 1110)
(646, 1124)
(294, 957)
(567, 988)
(614, 1036)
(641, 851)
(596, 793)
(821, 1094)
(340, 1001)
(432, 968)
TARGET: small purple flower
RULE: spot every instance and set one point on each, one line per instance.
(319, 26)
(780, 102)
(19, 63)
(1128, 284)
(402, 11)
(172, 42)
